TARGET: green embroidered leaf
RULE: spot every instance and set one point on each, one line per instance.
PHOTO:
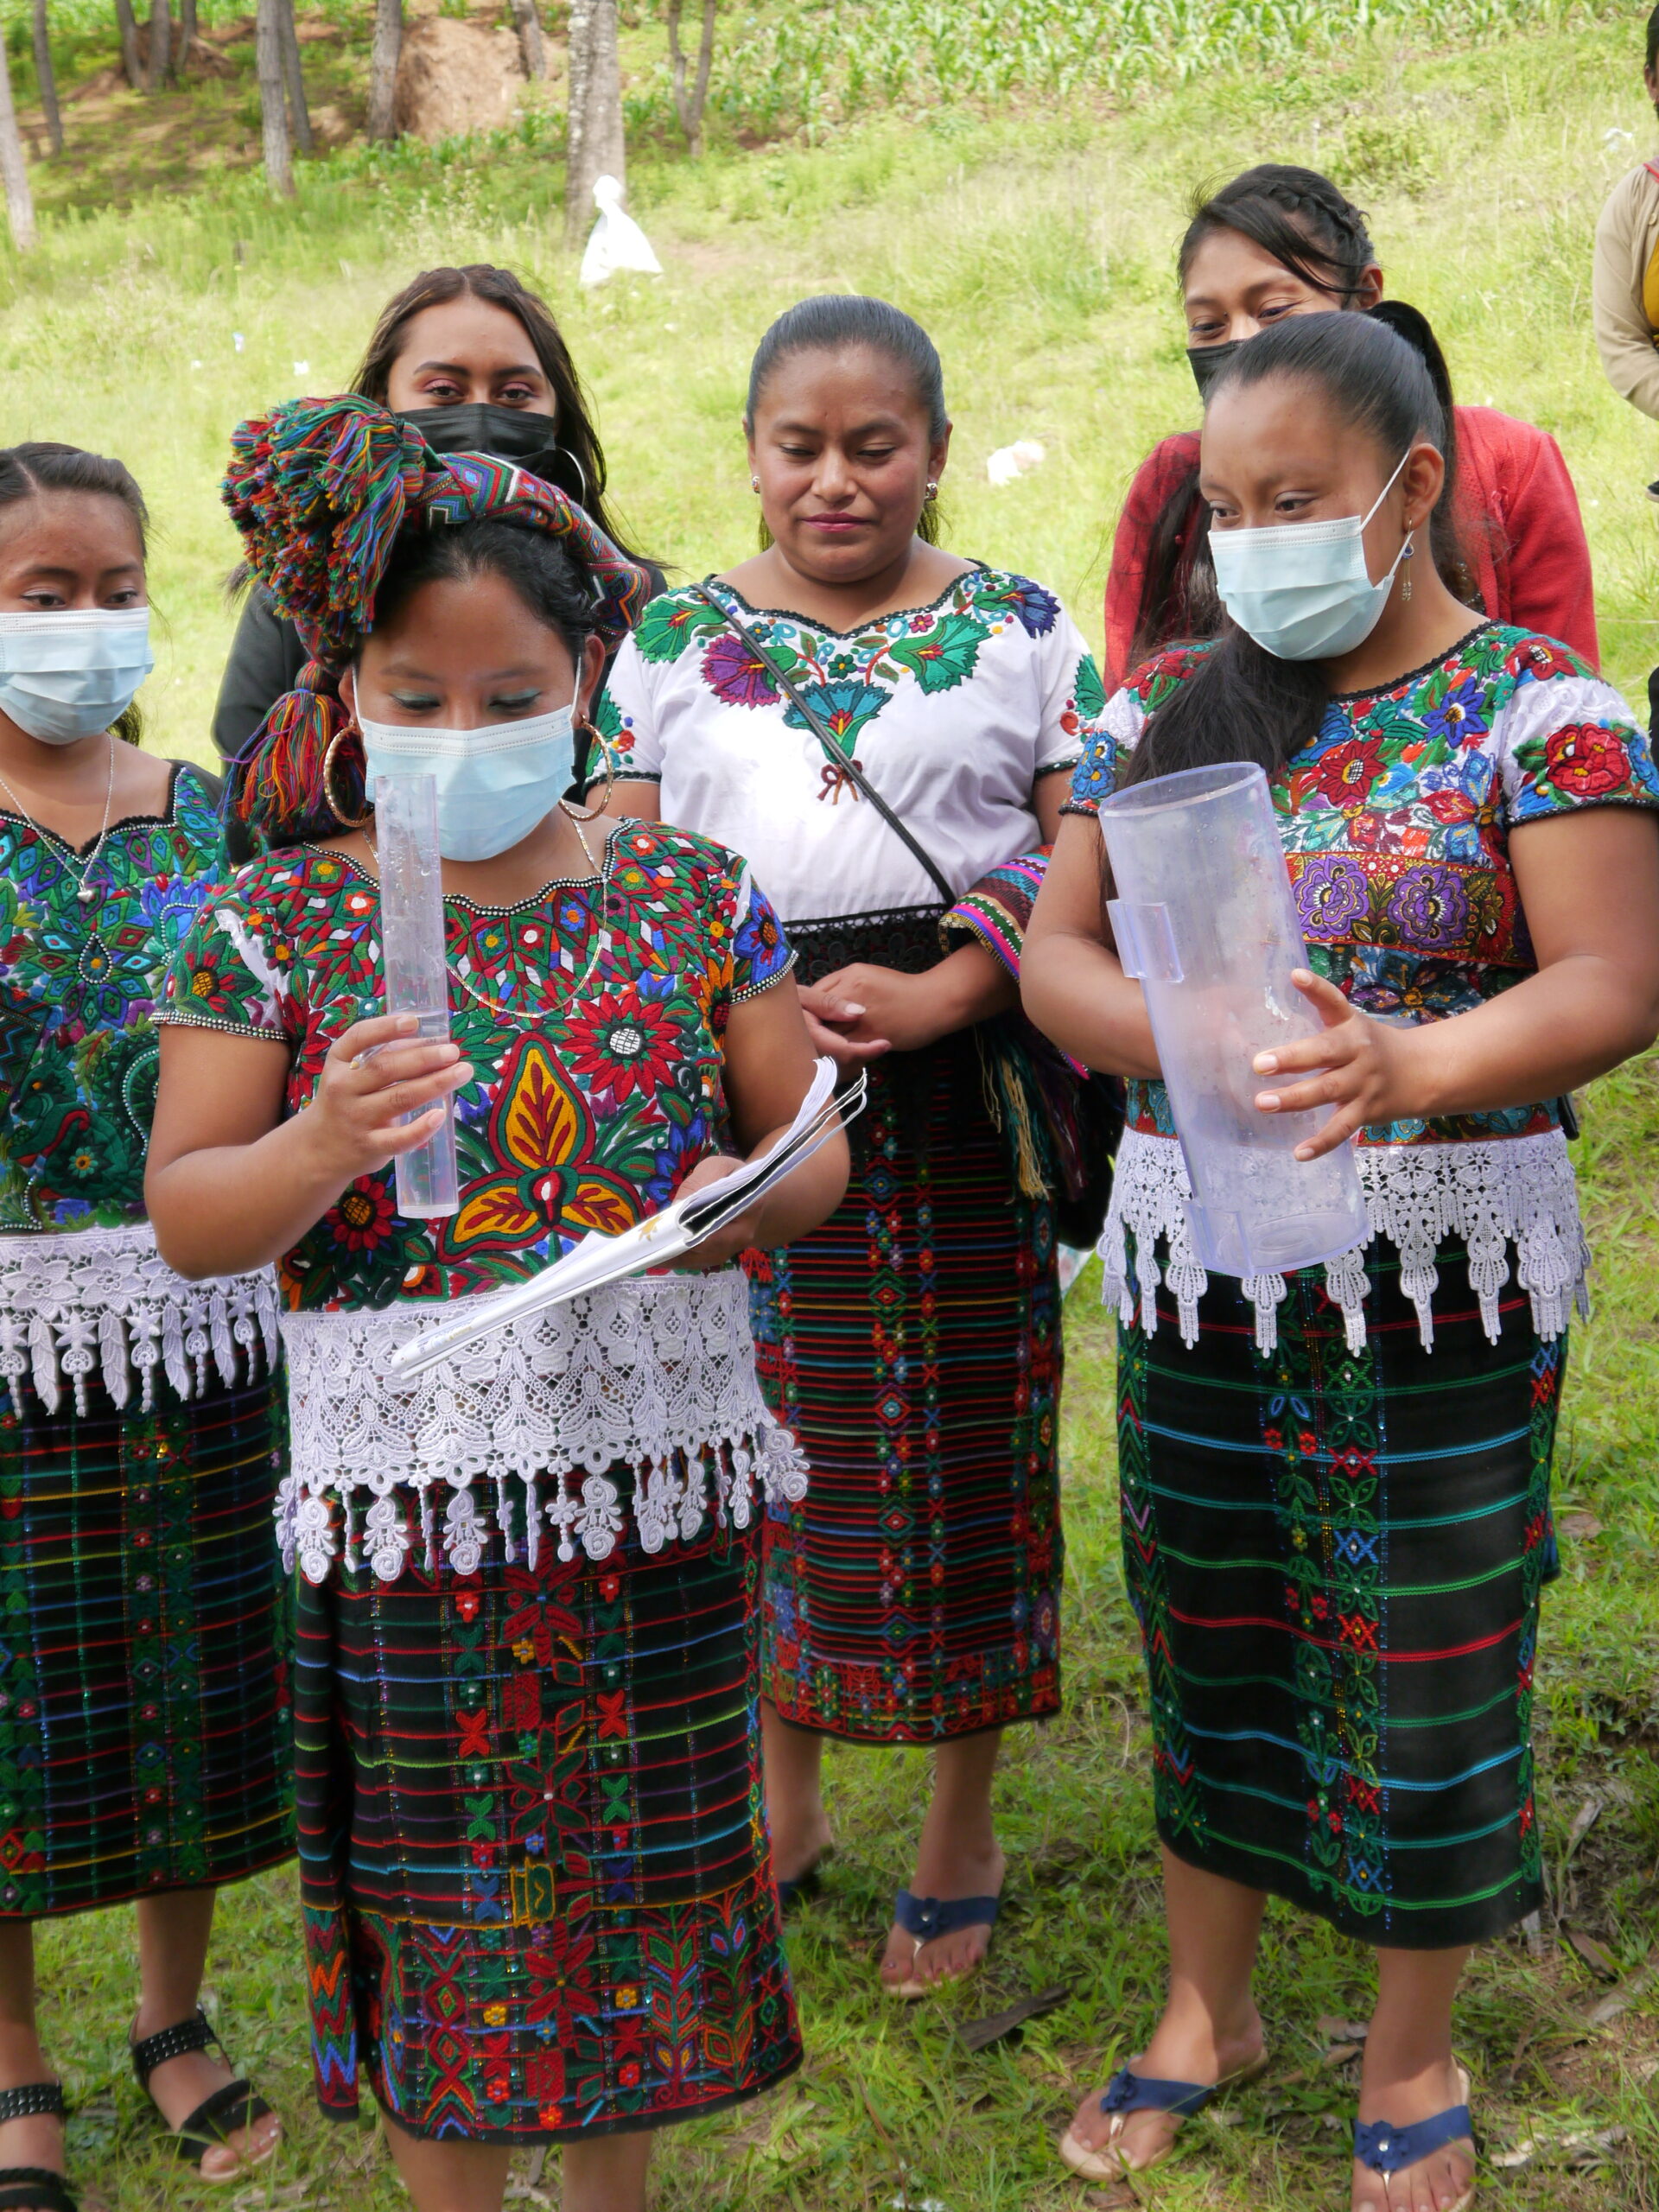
(1088, 692)
(944, 656)
(669, 624)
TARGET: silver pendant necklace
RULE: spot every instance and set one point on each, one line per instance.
(85, 891)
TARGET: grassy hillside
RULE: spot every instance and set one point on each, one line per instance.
(1032, 229)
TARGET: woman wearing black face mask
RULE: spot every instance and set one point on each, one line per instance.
(484, 365)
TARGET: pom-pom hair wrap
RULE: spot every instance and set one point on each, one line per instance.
(279, 782)
(320, 490)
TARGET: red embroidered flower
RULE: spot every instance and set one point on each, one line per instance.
(1346, 772)
(622, 1043)
(1587, 760)
(362, 1217)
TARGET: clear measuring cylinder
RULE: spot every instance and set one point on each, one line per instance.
(1204, 917)
(417, 982)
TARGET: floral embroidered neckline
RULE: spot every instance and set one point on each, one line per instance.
(527, 905)
(718, 584)
(1395, 684)
(48, 836)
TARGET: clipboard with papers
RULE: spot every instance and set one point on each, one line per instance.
(656, 1242)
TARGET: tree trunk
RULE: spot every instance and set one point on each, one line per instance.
(596, 146)
(128, 30)
(49, 82)
(299, 115)
(383, 68)
(691, 107)
(186, 33)
(14, 171)
(268, 56)
(531, 45)
(160, 46)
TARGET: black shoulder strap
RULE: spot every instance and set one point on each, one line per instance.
(820, 729)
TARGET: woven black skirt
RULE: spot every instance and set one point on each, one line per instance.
(1336, 1561)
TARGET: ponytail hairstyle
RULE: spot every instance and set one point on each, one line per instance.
(344, 512)
(1300, 219)
(27, 471)
(833, 322)
(1241, 702)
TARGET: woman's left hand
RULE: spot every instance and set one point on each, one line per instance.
(726, 1243)
(911, 1012)
(1364, 1068)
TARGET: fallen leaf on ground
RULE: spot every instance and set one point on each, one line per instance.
(1533, 1928)
(1583, 1821)
(1117, 2198)
(1620, 1999)
(1335, 2030)
(1581, 1526)
(1593, 1954)
(1340, 2053)
(979, 2035)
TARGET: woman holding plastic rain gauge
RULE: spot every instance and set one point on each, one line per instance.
(528, 1576)
(1336, 1483)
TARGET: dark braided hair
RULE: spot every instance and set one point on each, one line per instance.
(1303, 222)
(28, 470)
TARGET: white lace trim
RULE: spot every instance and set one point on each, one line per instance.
(104, 1301)
(1514, 1192)
(657, 1373)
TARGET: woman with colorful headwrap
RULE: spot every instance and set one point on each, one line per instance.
(538, 1896)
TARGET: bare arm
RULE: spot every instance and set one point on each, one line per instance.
(231, 1185)
(1589, 884)
(769, 1067)
(634, 798)
(1071, 981)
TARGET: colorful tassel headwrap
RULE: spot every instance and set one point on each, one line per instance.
(321, 490)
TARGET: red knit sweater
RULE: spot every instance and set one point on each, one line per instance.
(1517, 512)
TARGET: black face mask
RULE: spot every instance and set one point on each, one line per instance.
(505, 434)
(1207, 362)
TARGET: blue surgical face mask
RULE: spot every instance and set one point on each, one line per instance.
(495, 784)
(1301, 589)
(69, 672)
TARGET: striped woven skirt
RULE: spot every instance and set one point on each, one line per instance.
(1336, 1562)
(146, 1740)
(912, 1344)
(537, 1891)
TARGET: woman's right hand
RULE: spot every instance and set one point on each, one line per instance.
(377, 1071)
(829, 1016)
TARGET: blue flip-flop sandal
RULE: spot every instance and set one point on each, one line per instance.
(922, 1919)
(1387, 2149)
(1129, 2092)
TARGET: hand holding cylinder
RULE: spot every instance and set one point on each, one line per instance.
(417, 981)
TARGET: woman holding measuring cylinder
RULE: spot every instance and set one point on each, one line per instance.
(1336, 1480)
(538, 1899)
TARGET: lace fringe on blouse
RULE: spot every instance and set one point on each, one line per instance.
(1515, 1192)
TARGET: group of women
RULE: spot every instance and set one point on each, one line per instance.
(576, 1611)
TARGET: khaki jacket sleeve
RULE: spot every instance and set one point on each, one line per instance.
(1625, 238)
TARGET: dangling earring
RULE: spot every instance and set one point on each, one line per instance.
(1410, 551)
(595, 742)
(345, 821)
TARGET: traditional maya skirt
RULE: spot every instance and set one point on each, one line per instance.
(536, 1882)
(145, 1734)
(1335, 1537)
(912, 1346)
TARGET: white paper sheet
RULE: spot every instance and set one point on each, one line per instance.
(656, 1242)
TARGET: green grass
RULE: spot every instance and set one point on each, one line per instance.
(1034, 239)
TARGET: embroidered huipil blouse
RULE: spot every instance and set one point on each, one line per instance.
(594, 1018)
(83, 1292)
(952, 710)
(1395, 822)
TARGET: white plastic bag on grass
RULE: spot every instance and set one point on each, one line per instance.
(616, 241)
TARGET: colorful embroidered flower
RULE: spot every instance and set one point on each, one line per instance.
(1331, 892)
(732, 673)
(1035, 609)
(362, 1217)
(1430, 907)
(845, 707)
(1587, 760)
(1462, 715)
(623, 1043)
(1343, 774)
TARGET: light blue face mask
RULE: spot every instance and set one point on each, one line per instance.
(69, 672)
(495, 784)
(1301, 589)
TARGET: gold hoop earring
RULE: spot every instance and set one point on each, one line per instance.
(329, 800)
(595, 737)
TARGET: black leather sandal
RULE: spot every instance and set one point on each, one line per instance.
(217, 2118)
(34, 2189)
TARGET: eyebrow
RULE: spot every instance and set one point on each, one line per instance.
(461, 369)
(398, 672)
(44, 568)
(859, 429)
